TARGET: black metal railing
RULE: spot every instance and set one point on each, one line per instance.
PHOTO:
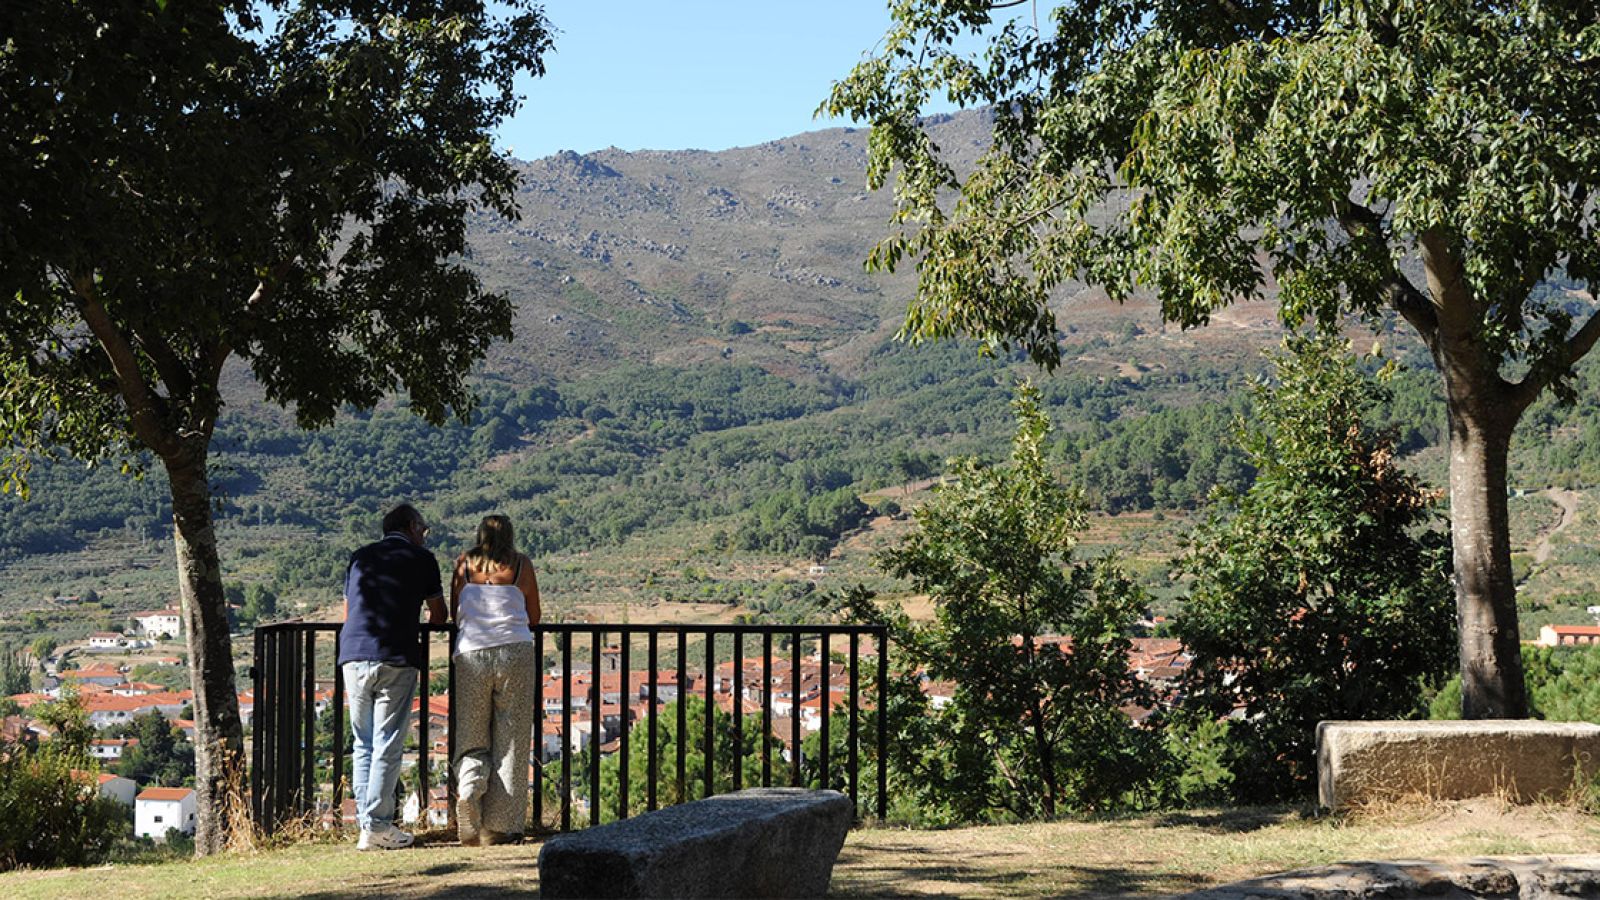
(293, 660)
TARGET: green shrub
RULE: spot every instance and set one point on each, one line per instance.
(51, 812)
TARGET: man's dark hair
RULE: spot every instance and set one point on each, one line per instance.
(400, 518)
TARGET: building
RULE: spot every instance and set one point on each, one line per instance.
(157, 810)
(1568, 635)
(112, 748)
(105, 640)
(160, 623)
(117, 788)
(109, 709)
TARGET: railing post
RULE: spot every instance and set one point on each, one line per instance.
(538, 717)
(308, 799)
(339, 716)
(766, 708)
(566, 731)
(737, 692)
(450, 728)
(855, 729)
(655, 677)
(882, 636)
(683, 715)
(596, 724)
(257, 809)
(825, 707)
(624, 641)
(424, 746)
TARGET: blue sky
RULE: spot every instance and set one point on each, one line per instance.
(682, 74)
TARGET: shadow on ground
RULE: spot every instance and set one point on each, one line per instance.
(928, 873)
(1229, 821)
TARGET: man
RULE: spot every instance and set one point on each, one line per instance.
(380, 652)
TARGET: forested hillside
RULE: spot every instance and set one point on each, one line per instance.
(704, 397)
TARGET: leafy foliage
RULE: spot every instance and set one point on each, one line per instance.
(1323, 591)
(51, 810)
(162, 757)
(724, 738)
(1208, 153)
(1036, 725)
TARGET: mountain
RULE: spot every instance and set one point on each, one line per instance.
(703, 395)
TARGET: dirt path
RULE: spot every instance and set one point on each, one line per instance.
(1568, 502)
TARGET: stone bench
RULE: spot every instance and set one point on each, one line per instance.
(762, 842)
(1519, 759)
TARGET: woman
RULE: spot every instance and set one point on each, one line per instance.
(494, 600)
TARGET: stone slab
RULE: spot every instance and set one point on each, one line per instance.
(1523, 878)
(761, 842)
(1522, 760)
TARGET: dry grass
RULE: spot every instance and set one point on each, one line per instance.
(1135, 857)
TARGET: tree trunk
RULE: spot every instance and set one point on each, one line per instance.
(1481, 423)
(219, 736)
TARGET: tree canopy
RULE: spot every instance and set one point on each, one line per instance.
(285, 183)
(1321, 592)
(1434, 161)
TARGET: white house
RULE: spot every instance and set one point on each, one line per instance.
(105, 640)
(160, 623)
(1568, 635)
(157, 809)
(112, 748)
(438, 807)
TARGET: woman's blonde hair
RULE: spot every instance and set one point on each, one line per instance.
(496, 547)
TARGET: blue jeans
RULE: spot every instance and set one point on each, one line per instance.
(380, 715)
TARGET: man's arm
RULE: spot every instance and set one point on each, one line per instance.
(344, 615)
(436, 611)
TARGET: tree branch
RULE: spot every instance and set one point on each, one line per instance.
(1578, 344)
(1365, 226)
(143, 406)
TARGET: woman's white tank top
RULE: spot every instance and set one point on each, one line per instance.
(491, 615)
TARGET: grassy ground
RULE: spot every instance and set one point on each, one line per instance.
(1136, 857)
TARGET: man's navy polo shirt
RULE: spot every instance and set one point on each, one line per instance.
(386, 585)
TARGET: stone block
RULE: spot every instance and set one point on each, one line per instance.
(1521, 760)
(761, 842)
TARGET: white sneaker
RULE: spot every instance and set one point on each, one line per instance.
(386, 837)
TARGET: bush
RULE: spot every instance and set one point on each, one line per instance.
(51, 809)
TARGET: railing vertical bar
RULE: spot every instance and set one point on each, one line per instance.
(855, 726)
(288, 662)
(566, 731)
(651, 755)
(538, 731)
(595, 723)
(711, 709)
(683, 715)
(738, 710)
(882, 639)
(450, 728)
(794, 709)
(825, 708)
(258, 662)
(338, 732)
(625, 639)
(266, 721)
(424, 743)
(766, 708)
(309, 751)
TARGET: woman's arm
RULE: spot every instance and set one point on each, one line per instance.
(458, 578)
(529, 584)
